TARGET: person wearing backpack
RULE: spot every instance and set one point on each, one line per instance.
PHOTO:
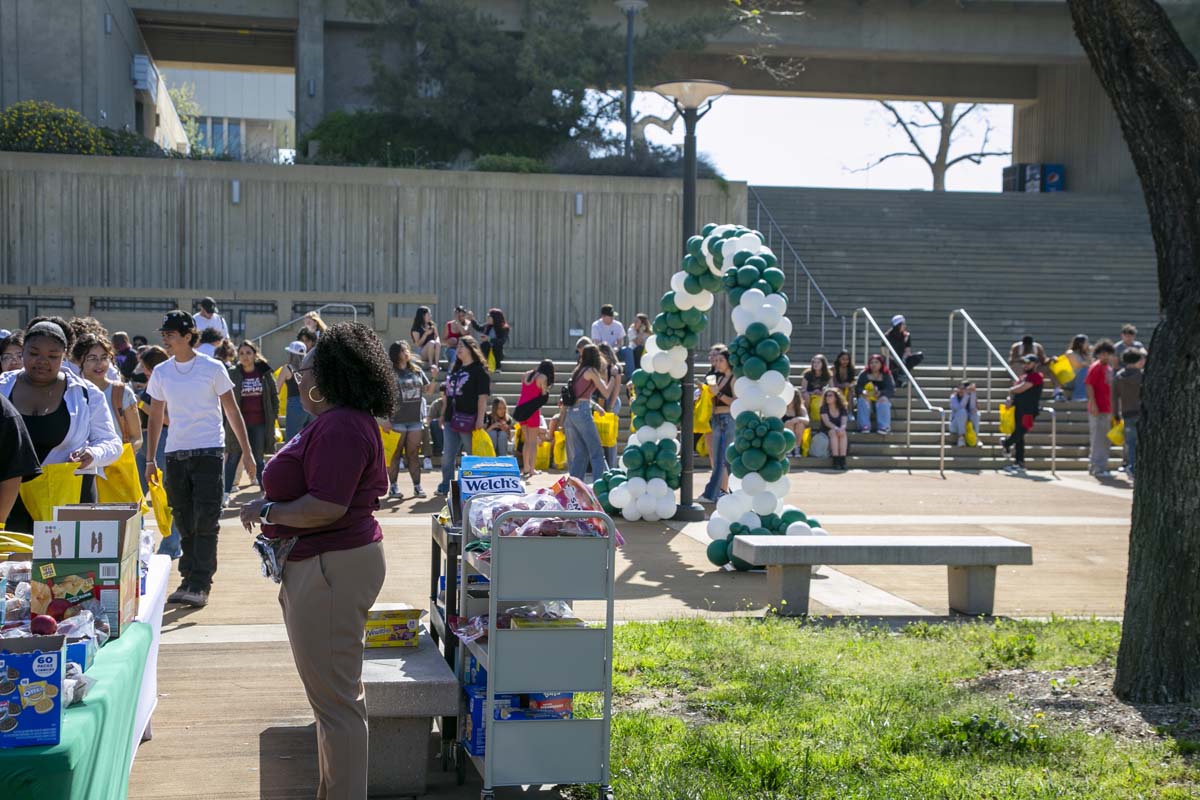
(579, 426)
(467, 389)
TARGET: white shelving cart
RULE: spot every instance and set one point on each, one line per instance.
(532, 569)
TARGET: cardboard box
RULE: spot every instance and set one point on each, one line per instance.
(483, 475)
(519, 623)
(474, 731)
(473, 672)
(81, 652)
(31, 678)
(393, 625)
(90, 552)
(562, 703)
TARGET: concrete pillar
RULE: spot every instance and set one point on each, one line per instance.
(787, 585)
(972, 589)
(310, 65)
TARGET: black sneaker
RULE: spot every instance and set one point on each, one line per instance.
(196, 598)
(177, 595)
(418, 491)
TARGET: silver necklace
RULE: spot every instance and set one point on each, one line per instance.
(188, 371)
(42, 411)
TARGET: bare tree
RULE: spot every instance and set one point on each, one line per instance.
(646, 120)
(1154, 84)
(945, 118)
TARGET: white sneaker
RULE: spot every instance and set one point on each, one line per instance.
(395, 491)
(962, 442)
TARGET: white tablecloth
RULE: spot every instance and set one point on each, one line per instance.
(150, 611)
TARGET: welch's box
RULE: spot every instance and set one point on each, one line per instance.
(489, 475)
(31, 678)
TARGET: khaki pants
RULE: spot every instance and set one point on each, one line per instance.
(325, 601)
(1098, 428)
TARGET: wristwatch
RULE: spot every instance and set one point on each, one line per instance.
(264, 512)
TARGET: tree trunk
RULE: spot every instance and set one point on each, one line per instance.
(1154, 85)
(943, 152)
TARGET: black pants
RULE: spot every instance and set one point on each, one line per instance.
(488, 346)
(257, 434)
(911, 361)
(194, 487)
(1017, 442)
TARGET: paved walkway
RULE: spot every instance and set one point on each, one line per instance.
(232, 720)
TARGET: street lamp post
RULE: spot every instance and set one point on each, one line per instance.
(630, 9)
(688, 97)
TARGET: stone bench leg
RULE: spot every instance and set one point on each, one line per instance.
(788, 585)
(398, 756)
(972, 589)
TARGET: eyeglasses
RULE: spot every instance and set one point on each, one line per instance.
(10, 358)
(96, 360)
(296, 373)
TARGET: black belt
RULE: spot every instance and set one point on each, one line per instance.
(177, 455)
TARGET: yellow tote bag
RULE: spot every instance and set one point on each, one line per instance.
(491, 365)
(971, 437)
(560, 450)
(702, 446)
(607, 425)
(391, 442)
(162, 508)
(58, 485)
(1064, 373)
(814, 407)
(542, 459)
(702, 411)
(805, 442)
(120, 483)
(481, 444)
(1116, 434)
(1008, 419)
(282, 390)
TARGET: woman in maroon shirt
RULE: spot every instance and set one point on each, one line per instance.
(322, 489)
(257, 396)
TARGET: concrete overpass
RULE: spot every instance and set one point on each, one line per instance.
(1021, 53)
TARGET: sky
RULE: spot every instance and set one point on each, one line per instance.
(789, 141)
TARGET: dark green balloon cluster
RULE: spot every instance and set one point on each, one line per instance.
(658, 398)
(754, 272)
(758, 351)
(720, 551)
(760, 445)
(676, 327)
(652, 460)
(611, 479)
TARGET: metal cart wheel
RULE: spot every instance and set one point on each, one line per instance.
(487, 796)
(605, 793)
(460, 765)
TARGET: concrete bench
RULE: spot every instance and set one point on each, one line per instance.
(405, 689)
(971, 562)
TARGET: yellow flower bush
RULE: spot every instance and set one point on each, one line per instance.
(35, 126)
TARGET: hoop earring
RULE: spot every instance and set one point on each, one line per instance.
(310, 395)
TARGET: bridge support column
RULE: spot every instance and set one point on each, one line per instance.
(310, 65)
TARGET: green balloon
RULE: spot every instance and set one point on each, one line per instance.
(758, 262)
(617, 480)
(771, 471)
(672, 412)
(668, 446)
(695, 246)
(718, 553)
(653, 472)
(745, 419)
(767, 349)
(732, 452)
(664, 459)
(708, 229)
(792, 516)
(769, 259)
(813, 523)
(710, 282)
(756, 332)
(600, 486)
(789, 440)
(639, 378)
(632, 459)
(740, 565)
(672, 393)
(713, 244)
(762, 286)
(771, 522)
(774, 444)
(738, 467)
(754, 460)
(729, 278)
(654, 402)
(746, 276)
(662, 380)
(754, 368)
(690, 340)
(739, 258)
(775, 277)
(782, 341)
(760, 531)
(692, 317)
(781, 365)
(691, 284)
(774, 424)
(654, 418)
(649, 450)
(735, 295)
(667, 303)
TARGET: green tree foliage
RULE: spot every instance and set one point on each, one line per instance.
(449, 83)
(184, 98)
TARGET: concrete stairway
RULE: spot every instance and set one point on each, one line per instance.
(1052, 265)
(873, 451)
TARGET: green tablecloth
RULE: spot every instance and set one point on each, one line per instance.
(91, 761)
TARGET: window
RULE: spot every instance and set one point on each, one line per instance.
(218, 136)
(233, 137)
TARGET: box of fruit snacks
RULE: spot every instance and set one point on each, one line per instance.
(31, 682)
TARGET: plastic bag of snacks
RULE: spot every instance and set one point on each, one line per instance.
(476, 628)
(575, 495)
(485, 510)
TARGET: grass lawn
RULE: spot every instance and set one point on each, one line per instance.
(783, 709)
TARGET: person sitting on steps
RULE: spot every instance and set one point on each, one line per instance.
(875, 389)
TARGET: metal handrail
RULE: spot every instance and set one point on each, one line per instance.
(759, 211)
(353, 308)
(912, 383)
(992, 351)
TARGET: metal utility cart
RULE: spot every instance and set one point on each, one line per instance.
(447, 547)
(531, 569)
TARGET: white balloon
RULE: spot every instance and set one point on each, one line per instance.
(704, 300)
(661, 362)
(731, 506)
(667, 431)
(742, 318)
(753, 484)
(774, 407)
(630, 512)
(817, 532)
(769, 316)
(646, 504)
(711, 261)
(764, 503)
(748, 241)
(677, 371)
(651, 517)
(720, 230)
(648, 360)
(752, 394)
(763, 250)
(657, 487)
(772, 383)
(651, 346)
(620, 496)
(735, 483)
(780, 488)
(777, 302)
(784, 326)
(684, 301)
(738, 407)
(741, 385)
(750, 520)
(636, 487)
(646, 433)
(635, 438)
(752, 298)
(795, 529)
(678, 354)
(666, 507)
(718, 526)
(677, 281)
(787, 392)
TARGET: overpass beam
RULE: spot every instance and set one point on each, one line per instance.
(310, 65)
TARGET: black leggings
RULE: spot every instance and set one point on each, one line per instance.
(488, 346)
(1017, 442)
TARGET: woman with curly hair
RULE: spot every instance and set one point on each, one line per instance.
(495, 336)
(322, 489)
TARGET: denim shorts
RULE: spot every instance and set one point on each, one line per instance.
(408, 427)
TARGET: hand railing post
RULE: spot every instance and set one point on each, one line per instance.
(964, 349)
(950, 345)
(1053, 443)
(942, 447)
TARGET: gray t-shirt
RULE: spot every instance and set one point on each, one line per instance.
(410, 406)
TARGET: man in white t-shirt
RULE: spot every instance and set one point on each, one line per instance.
(607, 330)
(207, 317)
(198, 389)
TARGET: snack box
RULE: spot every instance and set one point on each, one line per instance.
(90, 552)
(474, 730)
(473, 672)
(82, 652)
(484, 475)
(562, 703)
(31, 678)
(519, 623)
(393, 625)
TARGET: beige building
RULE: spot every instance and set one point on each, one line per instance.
(245, 112)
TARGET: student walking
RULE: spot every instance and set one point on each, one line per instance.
(467, 388)
(197, 389)
(579, 426)
(1026, 398)
(412, 387)
(1127, 401)
(207, 317)
(1098, 384)
(258, 399)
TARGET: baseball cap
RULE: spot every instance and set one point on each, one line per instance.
(897, 320)
(1028, 358)
(5, 333)
(178, 321)
(296, 348)
(606, 310)
(208, 304)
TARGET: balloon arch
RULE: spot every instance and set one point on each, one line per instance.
(734, 259)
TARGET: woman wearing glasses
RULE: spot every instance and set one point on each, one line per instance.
(95, 356)
(10, 351)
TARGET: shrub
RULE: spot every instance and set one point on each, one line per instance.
(375, 139)
(128, 143)
(34, 126)
(646, 161)
(1009, 650)
(510, 163)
